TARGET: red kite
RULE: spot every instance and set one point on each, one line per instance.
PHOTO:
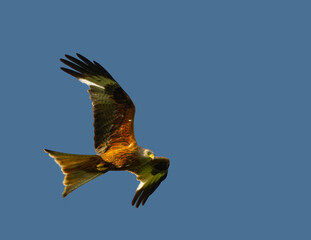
(115, 143)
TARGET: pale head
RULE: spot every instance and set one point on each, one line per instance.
(145, 153)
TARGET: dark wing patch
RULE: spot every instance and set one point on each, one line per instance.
(142, 194)
(85, 67)
(113, 109)
(111, 119)
(150, 177)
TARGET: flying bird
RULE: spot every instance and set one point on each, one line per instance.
(115, 144)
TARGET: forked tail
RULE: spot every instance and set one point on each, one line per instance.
(78, 169)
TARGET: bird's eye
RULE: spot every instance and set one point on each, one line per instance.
(150, 154)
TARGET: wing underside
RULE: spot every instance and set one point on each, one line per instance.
(113, 110)
(150, 177)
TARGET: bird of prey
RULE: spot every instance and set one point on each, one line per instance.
(114, 139)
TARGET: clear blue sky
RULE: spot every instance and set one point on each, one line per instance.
(222, 88)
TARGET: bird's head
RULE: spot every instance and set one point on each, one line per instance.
(146, 153)
(159, 163)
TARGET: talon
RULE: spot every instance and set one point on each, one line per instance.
(101, 167)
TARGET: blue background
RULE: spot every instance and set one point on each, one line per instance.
(222, 88)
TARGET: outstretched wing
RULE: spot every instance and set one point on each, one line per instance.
(150, 177)
(113, 109)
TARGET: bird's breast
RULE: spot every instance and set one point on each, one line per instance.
(121, 158)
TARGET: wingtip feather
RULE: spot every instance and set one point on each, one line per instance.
(47, 150)
(84, 59)
(68, 56)
(72, 73)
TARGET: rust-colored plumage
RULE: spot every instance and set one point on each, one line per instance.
(114, 139)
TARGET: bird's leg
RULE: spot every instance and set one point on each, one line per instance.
(101, 167)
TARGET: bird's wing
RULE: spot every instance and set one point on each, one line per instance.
(150, 177)
(113, 109)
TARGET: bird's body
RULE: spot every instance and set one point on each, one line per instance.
(114, 138)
